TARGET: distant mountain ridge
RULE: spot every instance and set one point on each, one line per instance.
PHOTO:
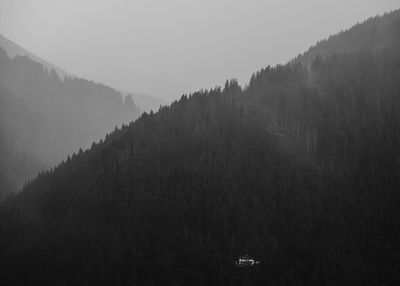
(14, 50)
(179, 194)
(146, 102)
(52, 116)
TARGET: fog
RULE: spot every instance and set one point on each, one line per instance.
(167, 48)
(43, 118)
(289, 174)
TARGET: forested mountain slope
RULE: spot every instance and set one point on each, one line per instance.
(335, 111)
(18, 124)
(180, 193)
(175, 195)
(69, 114)
(14, 50)
(377, 33)
(301, 170)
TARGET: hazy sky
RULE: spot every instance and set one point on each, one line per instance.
(170, 47)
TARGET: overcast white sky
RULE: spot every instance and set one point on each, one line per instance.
(170, 47)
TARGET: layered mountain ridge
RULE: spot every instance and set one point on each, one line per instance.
(14, 50)
(46, 117)
(300, 169)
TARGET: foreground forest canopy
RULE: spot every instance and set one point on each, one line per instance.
(300, 169)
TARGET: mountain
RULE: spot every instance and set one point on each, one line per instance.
(46, 117)
(300, 170)
(18, 124)
(14, 50)
(376, 33)
(146, 102)
(184, 188)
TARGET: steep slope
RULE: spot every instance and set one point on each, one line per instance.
(176, 195)
(179, 194)
(146, 102)
(14, 50)
(337, 97)
(332, 112)
(73, 114)
(377, 34)
(18, 124)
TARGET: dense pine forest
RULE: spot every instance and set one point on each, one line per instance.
(299, 169)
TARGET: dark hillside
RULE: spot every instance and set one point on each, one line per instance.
(376, 34)
(181, 192)
(339, 113)
(301, 170)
